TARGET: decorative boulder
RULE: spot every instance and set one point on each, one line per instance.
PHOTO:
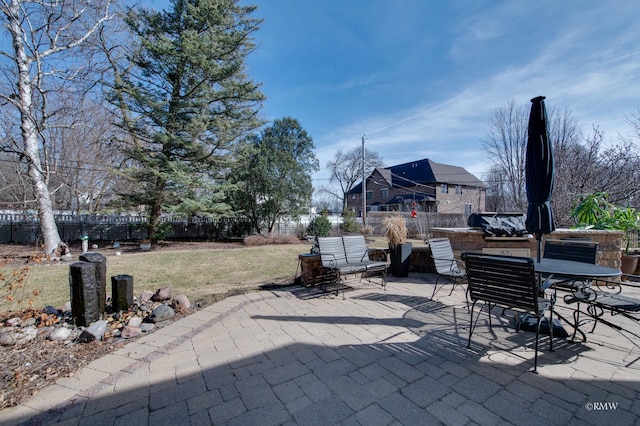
(94, 332)
(14, 322)
(181, 303)
(134, 322)
(50, 310)
(59, 334)
(161, 313)
(146, 327)
(146, 295)
(14, 336)
(129, 332)
(162, 294)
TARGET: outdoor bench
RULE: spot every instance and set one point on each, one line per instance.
(349, 255)
(506, 282)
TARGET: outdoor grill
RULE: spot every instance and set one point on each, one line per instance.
(499, 224)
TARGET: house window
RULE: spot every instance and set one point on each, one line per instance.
(467, 209)
(384, 193)
(444, 188)
(369, 195)
(458, 189)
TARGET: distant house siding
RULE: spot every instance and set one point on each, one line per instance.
(441, 197)
(453, 202)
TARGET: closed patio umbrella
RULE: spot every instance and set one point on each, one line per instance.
(539, 172)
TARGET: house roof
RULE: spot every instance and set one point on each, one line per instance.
(424, 172)
(429, 172)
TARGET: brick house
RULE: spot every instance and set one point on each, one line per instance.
(423, 185)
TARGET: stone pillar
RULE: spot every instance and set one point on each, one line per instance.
(121, 292)
(101, 277)
(84, 297)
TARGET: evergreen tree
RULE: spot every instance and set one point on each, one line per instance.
(274, 176)
(186, 100)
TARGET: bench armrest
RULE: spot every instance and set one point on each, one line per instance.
(333, 262)
(455, 266)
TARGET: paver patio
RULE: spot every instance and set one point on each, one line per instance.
(378, 357)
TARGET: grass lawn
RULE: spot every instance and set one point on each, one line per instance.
(201, 274)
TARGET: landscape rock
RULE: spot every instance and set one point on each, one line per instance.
(129, 332)
(146, 327)
(97, 329)
(57, 324)
(14, 322)
(59, 334)
(86, 337)
(146, 295)
(10, 336)
(29, 322)
(50, 310)
(161, 313)
(182, 303)
(162, 294)
(134, 321)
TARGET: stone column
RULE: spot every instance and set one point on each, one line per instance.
(84, 297)
(101, 276)
(121, 292)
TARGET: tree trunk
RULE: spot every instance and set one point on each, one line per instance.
(29, 129)
(155, 215)
(45, 209)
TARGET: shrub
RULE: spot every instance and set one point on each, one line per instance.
(320, 227)
(262, 240)
(349, 223)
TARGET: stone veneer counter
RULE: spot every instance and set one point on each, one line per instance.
(469, 239)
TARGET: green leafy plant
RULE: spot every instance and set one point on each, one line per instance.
(594, 211)
(395, 229)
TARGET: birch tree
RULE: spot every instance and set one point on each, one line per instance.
(47, 38)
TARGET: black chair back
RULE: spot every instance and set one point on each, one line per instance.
(502, 280)
(577, 251)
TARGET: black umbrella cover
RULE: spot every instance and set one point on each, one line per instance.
(539, 172)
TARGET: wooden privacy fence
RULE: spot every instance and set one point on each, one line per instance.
(23, 229)
(421, 225)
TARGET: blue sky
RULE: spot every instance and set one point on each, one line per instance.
(420, 78)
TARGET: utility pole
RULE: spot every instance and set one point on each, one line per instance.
(364, 188)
